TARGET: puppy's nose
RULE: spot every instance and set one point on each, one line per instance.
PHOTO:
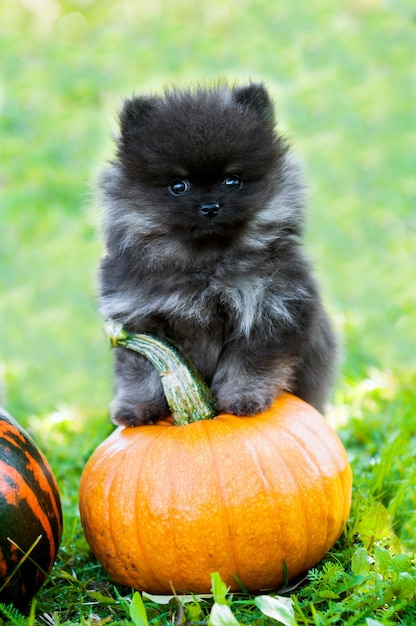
(210, 209)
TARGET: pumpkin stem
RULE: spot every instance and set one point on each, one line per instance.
(187, 394)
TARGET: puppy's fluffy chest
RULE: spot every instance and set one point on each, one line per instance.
(195, 293)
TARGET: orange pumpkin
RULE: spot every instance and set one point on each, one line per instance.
(255, 498)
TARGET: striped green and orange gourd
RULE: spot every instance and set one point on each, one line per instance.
(30, 514)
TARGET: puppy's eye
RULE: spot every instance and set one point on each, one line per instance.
(179, 187)
(232, 182)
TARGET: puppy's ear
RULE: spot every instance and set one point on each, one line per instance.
(134, 112)
(255, 97)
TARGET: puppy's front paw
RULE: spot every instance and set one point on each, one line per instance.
(124, 414)
(245, 403)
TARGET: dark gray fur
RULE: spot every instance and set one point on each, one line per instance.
(234, 291)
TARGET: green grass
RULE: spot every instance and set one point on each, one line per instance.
(341, 75)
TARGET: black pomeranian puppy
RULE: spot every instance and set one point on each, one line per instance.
(203, 224)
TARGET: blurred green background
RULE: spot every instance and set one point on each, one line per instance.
(342, 76)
